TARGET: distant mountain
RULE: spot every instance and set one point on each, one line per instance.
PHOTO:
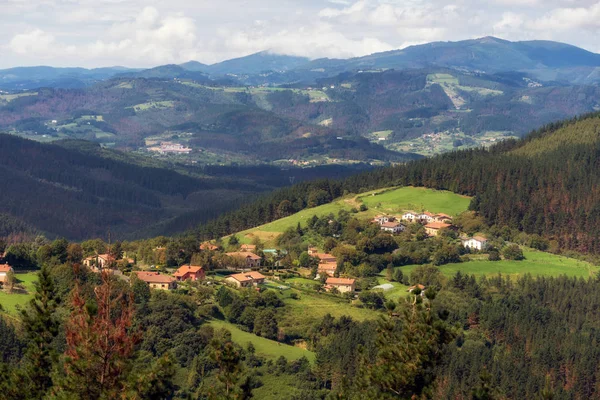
(542, 59)
(258, 63)
(194, 66)
(25, 78)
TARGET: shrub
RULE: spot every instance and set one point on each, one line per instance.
(513, 252)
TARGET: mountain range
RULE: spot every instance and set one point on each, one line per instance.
(543, 60)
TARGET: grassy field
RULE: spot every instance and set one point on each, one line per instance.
(393, 200)
(10, 97)
(154, 104)
(276, 387)
(264, 347)
(11, 301)
(312, 306)
(535, 263)
(268, 232)
(417, 199)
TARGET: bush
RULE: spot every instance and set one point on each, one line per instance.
(294, 296)
(513, 252)
(363, 207)
(494, 256)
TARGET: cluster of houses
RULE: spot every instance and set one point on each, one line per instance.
(434, 223)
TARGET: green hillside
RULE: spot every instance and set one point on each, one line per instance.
(536, 263)
(379, 201)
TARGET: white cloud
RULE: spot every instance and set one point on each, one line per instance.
(147, 33)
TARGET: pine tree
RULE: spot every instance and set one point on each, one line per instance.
(100, 344)
(41, 326)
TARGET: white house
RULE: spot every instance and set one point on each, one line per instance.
(4, 270)
(383, 219)
(392, 227)
(475, 243)
(427, 217)
(410, 216)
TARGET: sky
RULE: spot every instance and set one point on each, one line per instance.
(145, 33)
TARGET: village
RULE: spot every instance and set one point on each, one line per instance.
(253, 266)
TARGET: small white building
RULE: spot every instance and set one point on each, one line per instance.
(475, 243)
(383, 219)
(4, 270)
(427, 217)
(392, 227)
(410, 216)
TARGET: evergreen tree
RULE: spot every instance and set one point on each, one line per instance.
(41, 326)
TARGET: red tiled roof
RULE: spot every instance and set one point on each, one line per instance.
(327, 266)
(428, 214)
(247, 276)
(208, 246)
(5, 268)
(154, 277)
(421, 287)
(443, 215)
(340, 281)
(390, 225)
(248, 247)
(437, 225)
(184, 269)
(324, 257)
(479, 238)
(244, 254)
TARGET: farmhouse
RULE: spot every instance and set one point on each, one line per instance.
(98, 262)
(434, 228)
(342, 284)
(4, 270)
(328, 268)
(392, 227)
(156, 280)
(207, 246)
(383, 219)
(248, 247)
(417, 286)
(410, 216)
(475, 243)
(252, 260)
(191, 272)
(441, 217)
(426, 217)
(323, 257)
(246, 279)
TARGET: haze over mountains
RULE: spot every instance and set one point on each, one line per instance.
(544, 60)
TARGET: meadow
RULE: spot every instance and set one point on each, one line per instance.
(536, 263)
(264, 347)
(417, 199)
(11, 302)
(380, 201)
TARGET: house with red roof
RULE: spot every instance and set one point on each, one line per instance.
(191, 272)
(98, 262)
(343, 285)
(4, 270)
(246, 279)
(156, 280)
(251, 259)
(475, 243)
(434, 228)
(207, 246)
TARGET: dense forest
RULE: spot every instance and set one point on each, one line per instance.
(96, 336)
(545, 184)
(78, 190)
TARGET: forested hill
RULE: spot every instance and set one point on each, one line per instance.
(547, 183)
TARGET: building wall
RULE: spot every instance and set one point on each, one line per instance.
(344, 288)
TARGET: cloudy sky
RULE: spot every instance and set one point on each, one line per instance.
(142, 33)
